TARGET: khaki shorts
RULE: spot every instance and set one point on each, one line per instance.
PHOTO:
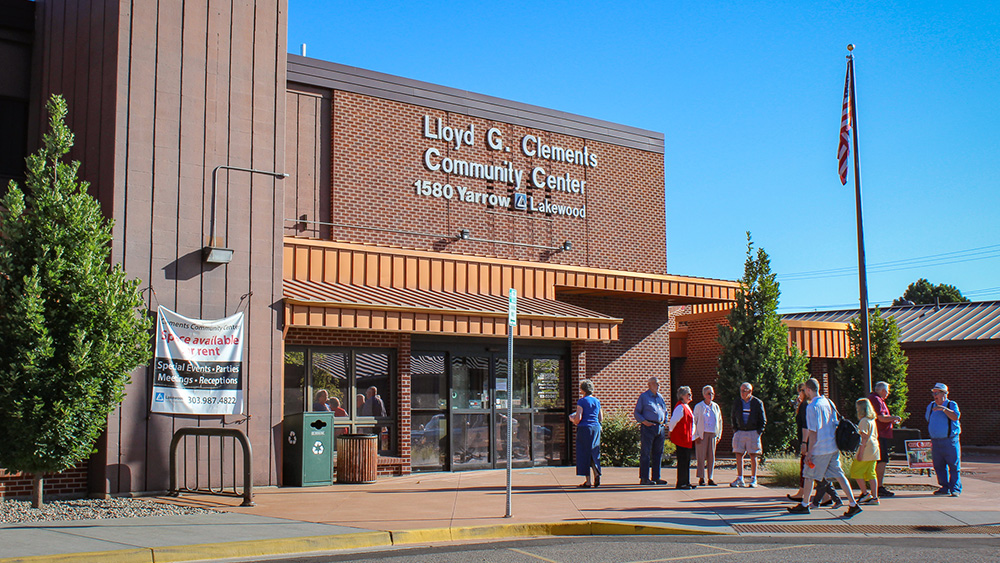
(825, 466)
(746, 441)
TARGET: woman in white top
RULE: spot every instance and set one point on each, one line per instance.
(707, 430)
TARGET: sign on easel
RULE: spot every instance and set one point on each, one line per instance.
(198, 368)
(918, 454)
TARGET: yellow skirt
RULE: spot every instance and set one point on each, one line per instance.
(863, 470)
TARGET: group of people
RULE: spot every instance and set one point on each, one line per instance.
(368, 403)
(695, 433)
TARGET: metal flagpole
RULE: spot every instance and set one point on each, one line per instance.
(862, 272)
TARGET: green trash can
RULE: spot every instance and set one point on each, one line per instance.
(308, 449)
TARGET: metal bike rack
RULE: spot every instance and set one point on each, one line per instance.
(209, 433)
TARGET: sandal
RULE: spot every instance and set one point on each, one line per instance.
(583, 486)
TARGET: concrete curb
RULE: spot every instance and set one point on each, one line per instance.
(138, 555)
(308, 544)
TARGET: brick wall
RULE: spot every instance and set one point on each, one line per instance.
(700, 367)
(70, 483)
(972, 374)
(377, 153)
(619, 369)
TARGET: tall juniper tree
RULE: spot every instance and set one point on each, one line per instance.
(888, 364)
(755, 349)
(70, 322)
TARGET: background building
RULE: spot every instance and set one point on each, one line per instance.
(954, 343)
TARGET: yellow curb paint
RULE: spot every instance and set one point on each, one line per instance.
(425, 535)
(118, 556)
(521, 530)
(606, 528)
(283, 546)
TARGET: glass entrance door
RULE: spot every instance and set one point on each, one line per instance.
(471, 411)
(480, 390)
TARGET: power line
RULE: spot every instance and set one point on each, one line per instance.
(855, 304)
(956, 257)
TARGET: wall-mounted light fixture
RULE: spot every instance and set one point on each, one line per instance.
(464, 234)
(213, 252)
(217, 255)
(567, 246)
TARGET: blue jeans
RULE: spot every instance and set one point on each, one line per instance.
(651, 449)
(947, 456)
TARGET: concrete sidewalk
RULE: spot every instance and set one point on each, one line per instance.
(436, 507)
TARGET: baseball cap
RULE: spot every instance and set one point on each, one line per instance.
(940, 387)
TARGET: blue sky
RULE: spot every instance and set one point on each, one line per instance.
(748, 95)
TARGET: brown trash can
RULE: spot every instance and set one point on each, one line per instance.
(357, 458)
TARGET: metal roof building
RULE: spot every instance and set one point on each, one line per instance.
(947, 322)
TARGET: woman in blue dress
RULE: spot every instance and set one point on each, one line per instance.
(587, 418)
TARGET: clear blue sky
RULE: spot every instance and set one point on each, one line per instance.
(749, 98)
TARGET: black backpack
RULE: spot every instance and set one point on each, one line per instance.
(847, 436)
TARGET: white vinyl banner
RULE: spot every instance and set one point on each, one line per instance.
(199, 365)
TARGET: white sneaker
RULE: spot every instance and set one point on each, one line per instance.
(752, 483)
(738, 483)
(864, 498)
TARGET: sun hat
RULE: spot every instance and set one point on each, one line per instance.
(940, 387)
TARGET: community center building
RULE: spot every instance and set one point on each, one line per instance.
(359, 234)
(378, 270)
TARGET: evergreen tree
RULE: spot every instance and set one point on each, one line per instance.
(888, 364)
(755, 349)
(71, 323)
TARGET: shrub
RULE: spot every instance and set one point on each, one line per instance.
(620, 441)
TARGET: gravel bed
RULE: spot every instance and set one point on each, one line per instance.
(17, 511)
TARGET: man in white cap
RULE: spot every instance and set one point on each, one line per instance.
(944, 428)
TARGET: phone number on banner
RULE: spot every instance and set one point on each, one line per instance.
(197, 401)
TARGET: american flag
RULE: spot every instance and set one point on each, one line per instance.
(844, 150)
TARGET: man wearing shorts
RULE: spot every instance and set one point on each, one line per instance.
(822, 455)
(748, 421)
(883, 422)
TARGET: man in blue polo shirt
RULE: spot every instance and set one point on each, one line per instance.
(944, 428)
(651, 413)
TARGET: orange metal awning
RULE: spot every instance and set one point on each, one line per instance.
(317, 304)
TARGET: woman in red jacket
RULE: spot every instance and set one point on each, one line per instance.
(681, 427)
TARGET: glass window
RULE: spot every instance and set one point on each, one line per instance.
(428, 382)
(330, 379)
(373, 390)
(470, 382)
(428, 412)
(429, 440)
(471, 445)
(356, 385)
(295, 381)
(520, 445)
(546, 384)
(549, 441)
(519, 383)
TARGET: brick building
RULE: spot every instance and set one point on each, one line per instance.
(382, 262)
(954, 343)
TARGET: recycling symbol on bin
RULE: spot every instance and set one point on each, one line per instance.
(318, 447)
(292, 438)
